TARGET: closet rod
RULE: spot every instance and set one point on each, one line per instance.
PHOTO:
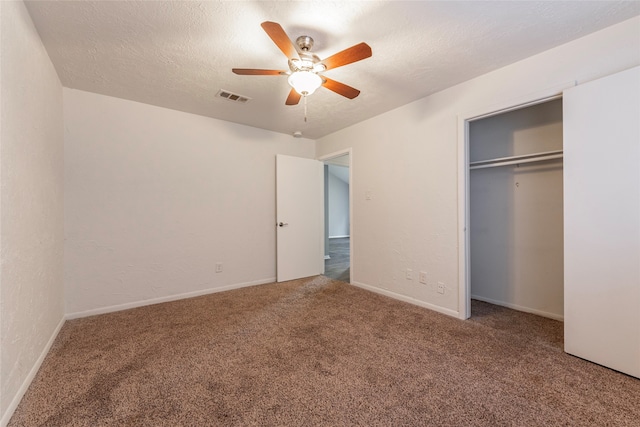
(521, 156)
(505, 161)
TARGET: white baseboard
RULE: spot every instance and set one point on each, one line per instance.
(126, 306)
(32, 373)
(408, 299)
(553, 316)
(338, 237)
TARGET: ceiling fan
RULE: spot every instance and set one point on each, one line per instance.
(305, 68)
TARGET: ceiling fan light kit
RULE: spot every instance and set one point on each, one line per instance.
(305, 68)
(305, 82)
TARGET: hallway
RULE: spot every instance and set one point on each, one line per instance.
(337, 267)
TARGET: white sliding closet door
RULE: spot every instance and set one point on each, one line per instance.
(602, 221)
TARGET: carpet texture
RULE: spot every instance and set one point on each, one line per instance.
(318, 352)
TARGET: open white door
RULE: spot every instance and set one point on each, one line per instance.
(299, 193)
(602, 221)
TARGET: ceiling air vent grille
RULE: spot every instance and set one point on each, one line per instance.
(232, 96)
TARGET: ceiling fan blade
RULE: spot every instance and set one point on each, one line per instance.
(348, 56)
(340, 88)
(293, 98)
(280, 38)
(257, 72)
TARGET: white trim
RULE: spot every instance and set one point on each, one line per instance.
(335, 154)
(464, 283)
(338, 237)
(326, 257)
(405, 298)
(553, 316)
(126, 306)
(32, 373)
(330, 156)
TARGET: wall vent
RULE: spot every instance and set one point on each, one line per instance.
(232, 96)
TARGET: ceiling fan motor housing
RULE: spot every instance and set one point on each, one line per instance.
(305, 43)
(307, 62)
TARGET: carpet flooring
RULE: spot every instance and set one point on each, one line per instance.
(318, 352)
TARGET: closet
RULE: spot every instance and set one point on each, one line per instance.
(516, 209)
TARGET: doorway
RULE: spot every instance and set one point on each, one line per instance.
(337, 216)
(516, 209)
(530, 156)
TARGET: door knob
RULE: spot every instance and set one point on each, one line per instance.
(283, 224)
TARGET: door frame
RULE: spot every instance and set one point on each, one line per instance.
(330, 156)
(464, 273)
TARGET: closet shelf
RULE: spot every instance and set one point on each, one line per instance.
(513, 160)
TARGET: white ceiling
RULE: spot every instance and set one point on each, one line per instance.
(178, 54)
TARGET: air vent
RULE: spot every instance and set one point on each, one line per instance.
(232, 96)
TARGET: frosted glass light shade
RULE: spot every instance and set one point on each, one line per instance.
(305, 82)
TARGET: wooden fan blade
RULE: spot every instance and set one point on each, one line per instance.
(340, 88)
(348, 56)
(293, 98)
(280, 38)
(256, 72)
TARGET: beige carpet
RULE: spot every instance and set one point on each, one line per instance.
(317, 352)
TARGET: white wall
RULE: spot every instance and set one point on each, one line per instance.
(154, 198)
(31, 239)
(407, 159)
(516, 221)
(338, 204)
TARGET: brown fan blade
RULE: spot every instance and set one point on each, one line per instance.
(348, 56)
(256, 72)
(293, 98)
(280, 38)
(340, 88)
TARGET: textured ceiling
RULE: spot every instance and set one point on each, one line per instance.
(179, 54)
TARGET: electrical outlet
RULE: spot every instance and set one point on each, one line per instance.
(440, 288)
(423, 277)
(219, 267)
(409, 274)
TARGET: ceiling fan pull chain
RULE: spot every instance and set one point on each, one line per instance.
(305, 108)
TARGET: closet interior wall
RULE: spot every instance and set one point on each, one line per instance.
(516, 210)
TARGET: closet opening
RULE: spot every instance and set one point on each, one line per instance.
(515, 210)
